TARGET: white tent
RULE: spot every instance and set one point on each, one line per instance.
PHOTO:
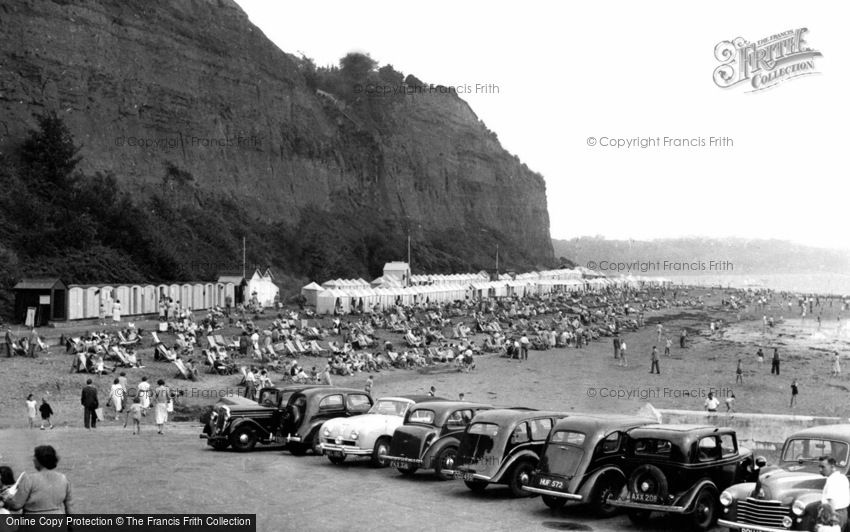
(311, 293)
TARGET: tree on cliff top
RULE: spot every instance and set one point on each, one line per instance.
(356, 67)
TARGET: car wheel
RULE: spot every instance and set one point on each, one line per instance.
(244, 439)
(297, 449)
(336, 458)
(476, 485)
(554, 503)
(316, 443)
(639, 517)
(407, 470)
(705, 510)
(649, 481)
(607, 487)
(220, 445)
(382, 448)
(520, 476)
(446, 459)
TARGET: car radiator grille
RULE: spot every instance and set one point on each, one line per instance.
(763, 513)
(351, 443)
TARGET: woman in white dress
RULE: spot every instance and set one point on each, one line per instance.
(145, 395)
(161, 396)
(116, 395)
(116, 310)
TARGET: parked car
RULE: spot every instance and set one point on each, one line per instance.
(681, 469)
(369, 434)
(584, 461)
(308, 409)
(787, 495)
(430, 436)
(244, 423)
(503, 446)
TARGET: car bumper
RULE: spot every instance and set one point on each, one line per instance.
(732, 525)
(649, 507)
(550, 493)
(403, 459)
(459, 474)
(296, 439)
(344, 449)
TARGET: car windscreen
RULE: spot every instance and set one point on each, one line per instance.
(268, 398)
(485, 429)
(812, 450)
(389, 407)
(422, 417)
(564, 452)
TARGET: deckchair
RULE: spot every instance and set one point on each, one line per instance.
(182, 369)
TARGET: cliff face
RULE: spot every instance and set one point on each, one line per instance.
(194, 84)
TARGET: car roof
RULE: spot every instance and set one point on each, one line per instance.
(592, 423)
(668, 431)
(826, 432)
(330, 389)
(509, 415)
(413, 398)
(438, 406)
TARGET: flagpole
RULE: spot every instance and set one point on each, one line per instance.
(243, 257)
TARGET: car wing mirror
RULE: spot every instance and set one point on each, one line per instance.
(760, 462)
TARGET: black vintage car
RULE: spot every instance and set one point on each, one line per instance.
(787, 494)
(243, 423)
(584, 461)
(503, 446)
(309, 409)
(681, 470)
(430, 437)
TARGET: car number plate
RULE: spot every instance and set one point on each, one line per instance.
(464, 475)
(644, 497)
(551, 483)
(399, 464)
(747, 530)
(335, 454)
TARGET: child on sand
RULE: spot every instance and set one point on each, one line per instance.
(31, 410)
(730, 404)
(794, 392)
(135, 411)
(739, 373)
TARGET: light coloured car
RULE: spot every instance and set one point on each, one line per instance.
(369, 434)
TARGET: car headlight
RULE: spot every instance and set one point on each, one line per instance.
(799, 507)
(353, 435)
(326, 432)
(225, 411)
(725, 498)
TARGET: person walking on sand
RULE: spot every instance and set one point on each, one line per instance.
(711, 404)
(836, 365)
(368, 388)
(760, 355)
(161, 397)
(31, 409)
(116, 311)
(654, 358)
(90, 404)
(624, 361)
(144, 394)
(730, 404)
(682, 338)
(794, 391)
(660, 329)
(616, 347)
(135, 411)
(739, 373)
(667, 345)
(46, 413)
(774, 365)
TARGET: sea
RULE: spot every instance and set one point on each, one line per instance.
(807, 283)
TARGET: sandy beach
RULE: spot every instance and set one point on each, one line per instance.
(586, 379)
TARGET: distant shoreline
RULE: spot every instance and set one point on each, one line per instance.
(824, 284)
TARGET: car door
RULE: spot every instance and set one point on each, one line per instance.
(329, 407)
(538, 432)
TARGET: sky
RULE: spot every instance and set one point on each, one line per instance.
(567, 71)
